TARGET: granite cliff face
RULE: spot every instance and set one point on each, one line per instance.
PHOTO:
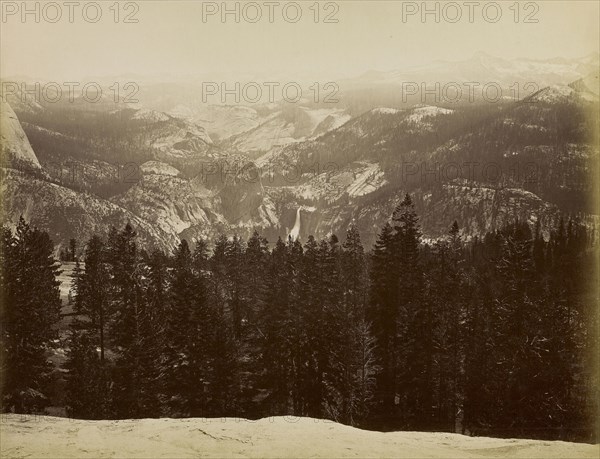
(15, 149)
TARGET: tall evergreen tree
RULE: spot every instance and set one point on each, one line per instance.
(224, 374)
(30, 311)
(88, 379)
(87, 388)
(153, 317)
(127, 310)
(353, 366)
(448, 294)
(186, 371)
(277, 332)
(295, 265)
(354, 276)
(237, 286)
(91, 292)
(72, 249)
(414, 338)
(383, 314)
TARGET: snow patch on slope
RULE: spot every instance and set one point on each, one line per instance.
(280, 129)
(221, 121)
(421, 112)
(367, 180)
(275, 131)
(385, 111)
(158, 168)
(553, 94)
(150, 115)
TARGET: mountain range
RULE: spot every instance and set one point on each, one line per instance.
(180, 168)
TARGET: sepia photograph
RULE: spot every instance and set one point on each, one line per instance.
(300, 229)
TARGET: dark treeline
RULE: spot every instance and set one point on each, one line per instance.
(495, 335)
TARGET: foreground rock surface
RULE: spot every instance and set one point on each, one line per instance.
(42, 436)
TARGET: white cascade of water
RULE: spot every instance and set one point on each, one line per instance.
(296, 229)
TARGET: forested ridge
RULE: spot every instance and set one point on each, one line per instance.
(494, 335)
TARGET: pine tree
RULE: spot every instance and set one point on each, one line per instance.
(539, 249)
(447, 296)
(255, 264)
(185, 372)
(364, 342)
(31, 309)
(88, 378)
(223, 376)
(563, 333)
(310, 345)
(352, 368)
(367, 367)
(72, 250)
(237, 291)
(126, 306)
(354, 275)
(294, 266)
(383, 314)
(91, 291)
(482, 378)
(414, 337)
(86, 387)
(518, 346)
(152, 327)
(277, 333)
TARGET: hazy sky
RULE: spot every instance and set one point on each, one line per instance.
(171, 37)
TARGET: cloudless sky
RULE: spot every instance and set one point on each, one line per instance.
(171, 38)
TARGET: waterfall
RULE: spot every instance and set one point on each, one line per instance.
(296, 229)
